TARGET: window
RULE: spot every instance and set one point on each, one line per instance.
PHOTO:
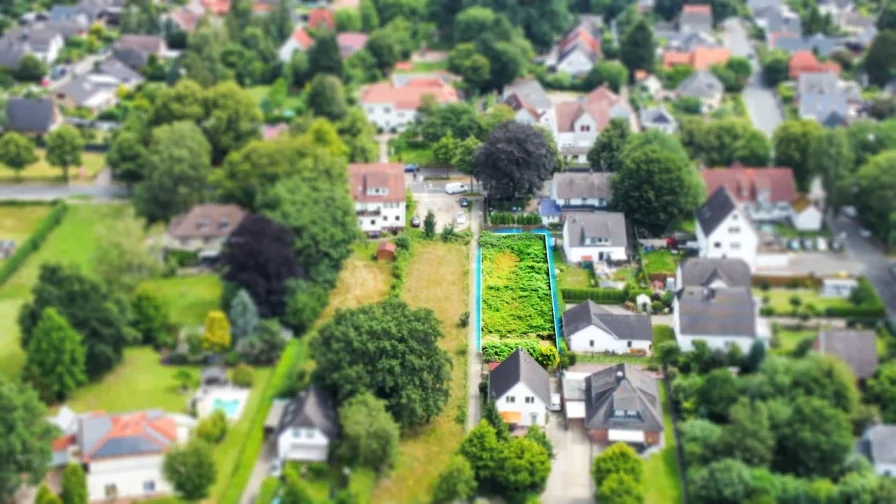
(385, 218)
(149, 486)
(397, 218)
(372, 222)
(401, 114)
(511, 399)
(734, 229)
(734, 217)
(591, 343)
(387, 110)
(601, 202)
(717, 245)
(629, 344)
(111, 490)
(735, 246)
(530, 400)
(308, 433)
(585, 128)
(566, 202)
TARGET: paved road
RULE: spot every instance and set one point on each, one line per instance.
(51, 192)
(869, 253)
(570, 478)
(759, 99)
(80, 67)
(474, 367)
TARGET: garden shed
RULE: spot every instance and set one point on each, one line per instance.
(643, 303)
(838, 287)
(385, 251)
(213, 375)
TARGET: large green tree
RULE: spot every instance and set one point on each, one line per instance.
(700, 441)
(482, 448)
(55, 357)
(876, 197)
(457, 482)
(369, 434)
(26, 437)
(748, 436)
(122, 259)
(775, 67)
(880, 60)
(524, 468)
(94, 312)
(191, 469)
(725, 481)
(127, 157)
(30, 69)
(792, 141)
(177, 170)
(326, 97)
(389, 350)
(231, 120)
(358, 134)
(606, 153)
(149, 316)
(831, 156)
(815, 440)
(620, 488)
(16, 152)
(638, 49)
(619, 458)
(324, 56)
(64, 146)
(881, 391)
(640, 189)
(514, 161)
(181, 102)
(243, 315)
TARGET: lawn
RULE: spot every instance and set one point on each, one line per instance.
(420, 155)
(17, 222)
(93, 163)
(259, 93)
(425, 453)
(789, 340)
(189, 298)
(662, 484)
(779, 299)
(516, 291)
(660, 261)
(572, 276)
(426, 66)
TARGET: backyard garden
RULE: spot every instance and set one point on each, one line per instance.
(517, 305)
(805, 302)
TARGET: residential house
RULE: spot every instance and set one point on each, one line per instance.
(595, 236)
(695, 18)
(649, 83)
(855, 348)
(530, 102)
(806, 62)
(204, 229)
(701, 58)
(521, 389)
(392, 107)
(660, 119)
(300, 40)
(98, 90)
(307, 426)
(32, 116)
(830, 109)
(835, 8)
(724, 229)
(581, 190)
(321, 19)
(185, 18)
(778, 18)
(713, 273)
(722, 317)
(378, 190)
(350, 43)
(39, 39)
(549, 211)
(691, 41)
(579, 49)
(764, 193)
(589, 327)
(135, 50)
(878, 444)
(122, 454)
(821, 45)
(622, 404)
(704, 86)
(580, 121)
(216, 7)
(855, 22)
(806, 215)
(69, 20)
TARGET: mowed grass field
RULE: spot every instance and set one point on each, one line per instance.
(17, 222)
(425, 453)
(662, 484)
(41, 171)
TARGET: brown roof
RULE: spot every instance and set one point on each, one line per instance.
(744, 183)
(149, 44)
(858, 349)
(387, 246)
(364, 177)
(321, 18)
(697, 9)
(597, 104)
(207, 221)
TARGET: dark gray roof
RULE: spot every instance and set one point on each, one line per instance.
(717, 207)
(821, 106)
(92, 430)
(531, 92)
(582, 225)
(125, 446)
(519, 367)
(819, 44)
(858, 349)
(817, 82)
(578, 185)
(881, 443)
(30, 115)
(687, 42)
(716, 312)
(83, 88)
(701, 84)
(624, 326)
(120, 71)
(656, 117)
(132, 57)
(313, 408)
(703, 271)
(621, 397)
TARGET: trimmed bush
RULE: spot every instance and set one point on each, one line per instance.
(497, 351)
(212, 428)
(34, 242)
(243, 376)
(848, 311)
(600, 296)
(767, 311)
(183, 258)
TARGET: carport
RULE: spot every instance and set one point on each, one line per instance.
(573, 392)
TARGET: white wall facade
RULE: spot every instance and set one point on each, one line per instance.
(521, 399)
(576, 64)
(386, 116)
(733, 238)
(574, 254)
(303, 444)
(714, 341)
(584, 131)
(594, 339)
(810, 219)
(286, 50)
(126, 477)
(379, 216)
(767, 212)
(580, 202)
(885, 469)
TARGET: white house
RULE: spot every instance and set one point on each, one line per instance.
(705, 86)
(878, 443)
(581, 190)
(589, 327)
(723, 230)
(521, 389)
(579, 49)
(722, 317)
(806, 215)
(307, 427)
(121, 454)
(298, 41)
(712, 273)
(595, 236)
(580, 121)
(530, 103)
(205, 228)
(393, 105)
(379, 195)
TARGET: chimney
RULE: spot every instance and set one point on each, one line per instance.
(619, 376)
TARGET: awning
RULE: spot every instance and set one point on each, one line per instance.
(575, 410)
(512, 417)
(627, 436)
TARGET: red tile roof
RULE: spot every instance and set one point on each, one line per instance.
(160, 431)
(410, 96)
(365, 176)
(697, 9)
(321, 18)
(62, 443)
(217, 7)
(597, 104)
(302, 38)
(351, 42)
(700, 58)
(806, 62)
(745, 183)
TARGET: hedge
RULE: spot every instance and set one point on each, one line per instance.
(34, 242)
(269, 489)
(497, 351)
(183, 258)
(848, 311)
(600, 296)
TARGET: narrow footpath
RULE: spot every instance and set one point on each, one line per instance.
(474, 357)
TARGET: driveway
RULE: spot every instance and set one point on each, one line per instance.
(869, 253)
(570, 479)
(759, 99)
(261, 471)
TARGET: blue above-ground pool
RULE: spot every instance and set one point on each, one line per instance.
(230, 407)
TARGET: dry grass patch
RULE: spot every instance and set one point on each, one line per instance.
(362, 281)
(437, 279)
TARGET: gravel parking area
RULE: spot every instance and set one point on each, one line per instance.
(444, 206)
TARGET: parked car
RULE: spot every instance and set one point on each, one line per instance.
(836, 245)
(460, 219)
(807, 244)
(556, 404)
(793, 244)
(456, 188)
(415, 221)
(464, 202)
(410, 168)
(850, 211)
(276, 468)
(821, 244)
(864, 233)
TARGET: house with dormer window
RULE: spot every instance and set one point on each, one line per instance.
(765, 194)
(622, 405)
(378, 190)
(595, 236)
(204, 229)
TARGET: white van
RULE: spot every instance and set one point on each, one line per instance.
(456, 188)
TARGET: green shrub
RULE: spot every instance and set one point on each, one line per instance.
(600, 296)
(497, 351)
(242, 376)
(464, 319)
(34, 242)
(269, 489)
(212, 428)
(849, 311)
(318, 469)
(183, 258)
(767, 311)
(657, 306)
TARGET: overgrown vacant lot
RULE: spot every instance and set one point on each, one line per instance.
(516, 290)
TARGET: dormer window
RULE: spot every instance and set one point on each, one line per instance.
(203, 224)
(224, 223)
(377, 191)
